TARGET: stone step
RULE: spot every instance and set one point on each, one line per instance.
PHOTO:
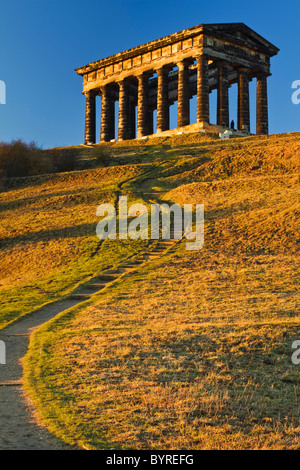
(124, 270)
(147, 257)
(166, 242)
(109, 276)
(11, 383)
(97, 282)
(80, 296)
(130, 266)
(96, 286)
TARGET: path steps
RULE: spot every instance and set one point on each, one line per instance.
(80, 296)
(96, 286)
(108, 276)
(19, 428)
(124, 269)
(11, 383)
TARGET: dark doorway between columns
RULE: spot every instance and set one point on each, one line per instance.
(98, 117)
(252, 105)
(232, 99)
(153, 104)
(213, 98)
(193, 109)
(116, 119)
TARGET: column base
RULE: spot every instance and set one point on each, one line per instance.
(199, 127)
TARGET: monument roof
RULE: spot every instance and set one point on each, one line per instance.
(238, 33)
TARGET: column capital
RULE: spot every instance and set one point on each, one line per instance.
(92, 93)
(144, 75)
(261, 75)
(244, 70)
(105, 88)
(121, 83)
(164, 69)
(184, 63)
(202, 56)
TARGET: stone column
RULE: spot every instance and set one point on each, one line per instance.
(107, 116)
(124, 120)
(262, 125)
(183, 116)
(163, 112)
(243, 115)
(202, 89)
(143, 115)
(90, 118)
(222, 101)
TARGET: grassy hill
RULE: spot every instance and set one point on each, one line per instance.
(191, 351)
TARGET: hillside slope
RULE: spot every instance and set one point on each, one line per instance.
(192, 350)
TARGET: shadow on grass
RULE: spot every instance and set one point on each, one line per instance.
(46, 235)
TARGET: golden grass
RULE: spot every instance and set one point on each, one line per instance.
(198, 355)
(48, 236)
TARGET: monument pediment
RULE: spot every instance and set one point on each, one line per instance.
(241, 34)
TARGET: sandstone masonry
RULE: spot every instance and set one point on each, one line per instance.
(205, 57)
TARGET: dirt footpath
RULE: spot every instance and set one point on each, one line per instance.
(19, 427)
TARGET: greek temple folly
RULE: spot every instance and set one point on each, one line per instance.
(153, 76)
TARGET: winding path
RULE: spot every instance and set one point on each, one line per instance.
(19, 426)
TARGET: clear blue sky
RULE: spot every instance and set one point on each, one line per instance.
(43, 41)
